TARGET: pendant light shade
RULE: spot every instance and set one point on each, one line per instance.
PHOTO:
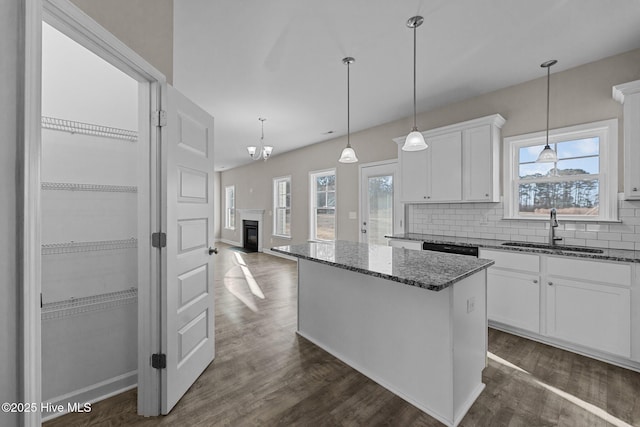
(348, 154)
(415, 140)
(548, 155)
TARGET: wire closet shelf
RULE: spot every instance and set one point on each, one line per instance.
(71, 126)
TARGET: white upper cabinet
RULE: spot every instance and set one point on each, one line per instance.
(481, 157)
(414, 176)
(628, 94)
(444, 174)
(461, 164)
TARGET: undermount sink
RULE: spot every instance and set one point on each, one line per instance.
(555, 247)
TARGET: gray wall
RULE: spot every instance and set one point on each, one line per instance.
(146, 26)
(579, 95)
(9, 96)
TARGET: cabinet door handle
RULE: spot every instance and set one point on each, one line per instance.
(486, 195)
(535, 280)
(635, 188)
(550, 283)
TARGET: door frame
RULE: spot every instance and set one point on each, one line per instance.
(75, 24)
(398, 207)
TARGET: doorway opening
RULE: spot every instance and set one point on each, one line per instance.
(381, 213)
(89, 219)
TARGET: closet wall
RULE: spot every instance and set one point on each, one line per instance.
(89, 224)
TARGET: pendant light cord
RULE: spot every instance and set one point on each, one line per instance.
(548, 91)
(414, 79)
(348, 107)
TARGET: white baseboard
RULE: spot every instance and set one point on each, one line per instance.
(230, 242)
(563, 345)
(91, 394)
(278, 254)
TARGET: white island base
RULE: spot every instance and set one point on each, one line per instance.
(427, 347)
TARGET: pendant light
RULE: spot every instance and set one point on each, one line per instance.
(265, 150)
(548, 155)
(348, 154)
(415, 139)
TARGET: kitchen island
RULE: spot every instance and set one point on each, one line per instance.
(413, 321)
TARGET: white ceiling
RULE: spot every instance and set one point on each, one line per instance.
(282, 59)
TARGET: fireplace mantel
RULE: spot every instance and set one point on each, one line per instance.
(253, 215)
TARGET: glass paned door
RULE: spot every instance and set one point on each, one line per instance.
(378, 201)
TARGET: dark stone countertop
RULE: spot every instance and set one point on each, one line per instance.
(620, 255)
(425, 269)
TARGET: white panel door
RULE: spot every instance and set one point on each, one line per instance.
(187, 272)
(380, 208)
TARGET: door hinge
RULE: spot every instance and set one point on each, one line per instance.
(159, 118)
(159, 240)
(159, 361)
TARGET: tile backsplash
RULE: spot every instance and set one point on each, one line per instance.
(484, 220)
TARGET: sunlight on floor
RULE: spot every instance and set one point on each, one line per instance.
(600, 413)
(244, 287)
(253, 285)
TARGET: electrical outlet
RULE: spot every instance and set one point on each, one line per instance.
(471, 304)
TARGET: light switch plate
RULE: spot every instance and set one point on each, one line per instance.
(353, 215)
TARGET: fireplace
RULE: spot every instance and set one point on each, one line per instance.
(250, 235)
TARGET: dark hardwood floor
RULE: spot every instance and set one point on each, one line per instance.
(266, 375)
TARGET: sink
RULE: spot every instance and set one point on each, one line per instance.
(554, 247)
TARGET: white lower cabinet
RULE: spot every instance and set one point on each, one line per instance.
(592, 315)
(578, 304)
(514, 299)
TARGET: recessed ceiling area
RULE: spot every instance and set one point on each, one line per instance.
(282, 60)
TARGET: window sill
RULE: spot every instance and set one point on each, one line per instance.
(278, 236)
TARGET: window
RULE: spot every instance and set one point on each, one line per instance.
(230, 207)
(581, 185)
(323, 205)
(282, 207)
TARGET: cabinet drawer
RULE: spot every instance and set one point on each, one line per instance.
(595, 271)
(513, 260)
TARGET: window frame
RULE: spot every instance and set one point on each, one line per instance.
(229, 212)
(605, 130)
(313, 201)
(276, 206)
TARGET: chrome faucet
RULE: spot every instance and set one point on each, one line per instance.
(553, 223)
